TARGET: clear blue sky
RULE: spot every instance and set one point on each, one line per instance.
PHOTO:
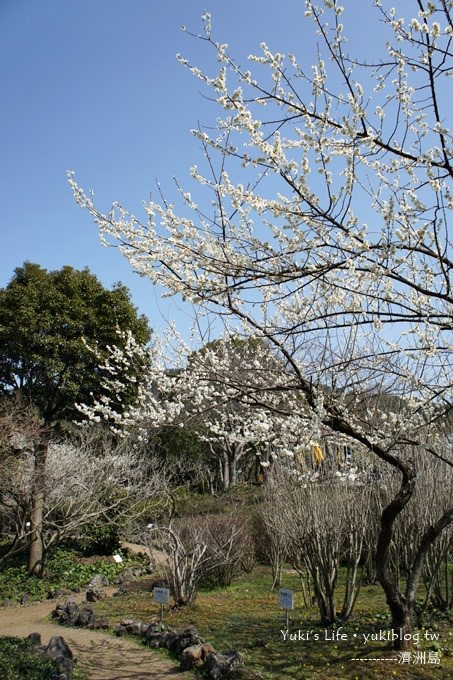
(94, 86)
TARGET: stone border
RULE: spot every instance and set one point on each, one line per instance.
(192, 651)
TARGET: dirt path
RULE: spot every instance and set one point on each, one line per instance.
(100, 655)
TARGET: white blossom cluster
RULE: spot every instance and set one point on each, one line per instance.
(82, 482)
(327, 235)
(207, 394)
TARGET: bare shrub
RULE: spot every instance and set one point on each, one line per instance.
(191, 549)
(230, 549)
(274, 538)
(319, 526)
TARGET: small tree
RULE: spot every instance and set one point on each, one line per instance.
(230, 547)
(87, 479)
(321, 524)
(274, 520)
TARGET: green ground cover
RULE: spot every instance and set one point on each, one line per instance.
(20, 661)
(66, 570)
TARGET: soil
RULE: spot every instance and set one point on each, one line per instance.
(99, 654)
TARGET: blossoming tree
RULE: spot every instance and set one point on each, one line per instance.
(206, 393)
(88, 482)
(327, 236)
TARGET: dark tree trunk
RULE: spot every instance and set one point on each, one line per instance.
(400, 607)
(36, 544)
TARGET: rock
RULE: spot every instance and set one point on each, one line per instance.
(132, 572)
(187, 638)
(102, 623)
(58, 647)
(121, 628)
(65, 667)
(98, 582)
(195, 656)
(67, 613)
(154, 641)
(95, 594)
(131, 627)
(223, 665)
(59, 650)
(139, 628)
(168, 639)
(35, 638)
(71, 614)
(157, 635)
(85, 617)
(122, 589)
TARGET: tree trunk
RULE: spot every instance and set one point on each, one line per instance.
(225, 471)
(36, 545)
(232, 461)
(400, 608)
(430, 535)
(402, 621)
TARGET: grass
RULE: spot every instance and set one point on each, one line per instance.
(246, 617)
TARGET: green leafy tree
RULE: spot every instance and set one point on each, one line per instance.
(54, 327)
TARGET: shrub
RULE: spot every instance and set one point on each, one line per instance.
(229, 549)
(191, 549)
(100, 539)
(19, 659)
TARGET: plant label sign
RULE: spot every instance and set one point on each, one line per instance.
(286, 598)
(161, 595)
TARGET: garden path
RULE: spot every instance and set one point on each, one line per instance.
(100, 655)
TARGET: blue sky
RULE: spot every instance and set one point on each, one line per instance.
(94, 86)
